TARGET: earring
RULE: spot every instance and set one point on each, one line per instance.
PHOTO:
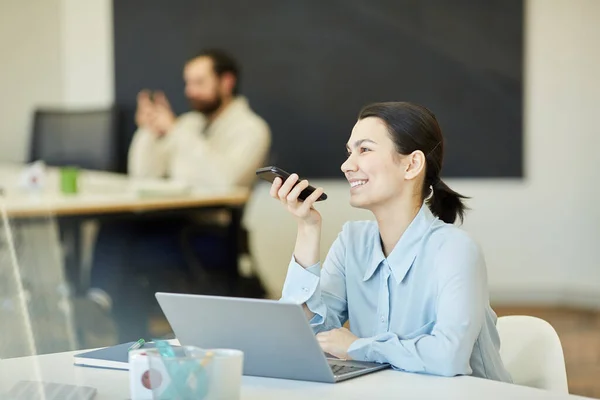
(430, 193)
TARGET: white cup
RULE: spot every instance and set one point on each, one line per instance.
(225, 380)
(223, 370)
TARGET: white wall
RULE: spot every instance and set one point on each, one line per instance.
(54, 53)
(540, 235)
(30, 68)
(87, 52)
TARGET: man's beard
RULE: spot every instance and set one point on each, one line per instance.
(206, 107)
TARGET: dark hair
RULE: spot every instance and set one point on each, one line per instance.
(222, 63)
(413, 127)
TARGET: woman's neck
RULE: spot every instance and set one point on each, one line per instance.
(393, 220)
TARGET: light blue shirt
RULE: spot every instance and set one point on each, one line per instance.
(425, 308)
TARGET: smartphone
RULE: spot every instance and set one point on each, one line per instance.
(270, 173)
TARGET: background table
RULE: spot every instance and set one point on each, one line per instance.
(104, 195)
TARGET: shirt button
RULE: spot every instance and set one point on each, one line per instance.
(382, 318)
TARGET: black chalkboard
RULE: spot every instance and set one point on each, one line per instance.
(310, 65)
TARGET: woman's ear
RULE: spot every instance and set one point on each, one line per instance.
(415, 164)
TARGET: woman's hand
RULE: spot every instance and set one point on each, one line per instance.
(287, 193)
(337, 342)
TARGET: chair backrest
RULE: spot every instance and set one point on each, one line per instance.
(531, 351)
(84, 138)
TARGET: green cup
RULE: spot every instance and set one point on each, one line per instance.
(68, 179)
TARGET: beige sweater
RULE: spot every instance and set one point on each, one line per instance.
(226, 153)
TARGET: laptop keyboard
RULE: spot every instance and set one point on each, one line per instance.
(339, 369)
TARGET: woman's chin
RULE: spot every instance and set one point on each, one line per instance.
(358, 202)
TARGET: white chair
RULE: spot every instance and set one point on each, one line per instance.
(532, 353)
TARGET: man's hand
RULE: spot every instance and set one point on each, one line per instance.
(145, 110)
(336, 342)
(163, 117)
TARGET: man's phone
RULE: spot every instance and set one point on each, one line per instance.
(270, 173)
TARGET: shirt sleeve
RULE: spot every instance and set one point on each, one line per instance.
(323, 290)
(148, 155)
(230, 166)
(461, 301)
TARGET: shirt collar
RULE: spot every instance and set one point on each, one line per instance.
(406, 250)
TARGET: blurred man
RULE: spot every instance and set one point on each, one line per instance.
(220, 143)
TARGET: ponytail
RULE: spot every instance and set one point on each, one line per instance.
(445, 203)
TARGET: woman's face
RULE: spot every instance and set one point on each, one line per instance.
(377, 173)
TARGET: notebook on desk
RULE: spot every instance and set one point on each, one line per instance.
(114, 357)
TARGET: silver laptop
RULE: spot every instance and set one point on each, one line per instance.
(276, 338)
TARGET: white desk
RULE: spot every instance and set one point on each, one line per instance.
(114, 385)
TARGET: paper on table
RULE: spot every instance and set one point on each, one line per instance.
(153, 189)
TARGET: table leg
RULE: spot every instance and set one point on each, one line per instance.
(233, 235)
(71, 236)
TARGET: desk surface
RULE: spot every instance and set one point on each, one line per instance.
(386, 384)
(106, 193)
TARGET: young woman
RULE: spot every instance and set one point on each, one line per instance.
(411, 284)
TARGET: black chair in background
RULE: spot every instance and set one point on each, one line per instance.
(83, 138)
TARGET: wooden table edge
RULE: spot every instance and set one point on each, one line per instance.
(143, 205)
